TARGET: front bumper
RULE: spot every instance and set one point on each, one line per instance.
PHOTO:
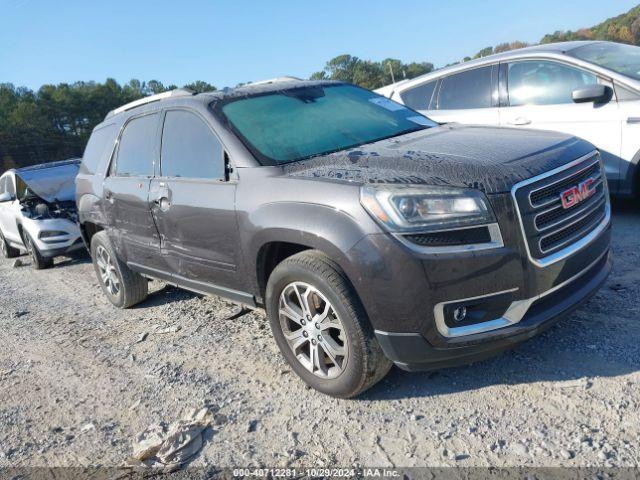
(68, 239)
(412, 351)
(403, 292)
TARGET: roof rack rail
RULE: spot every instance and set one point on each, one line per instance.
(178, 92)
(286, 78)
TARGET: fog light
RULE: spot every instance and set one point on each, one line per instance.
(459, 314)
(51, 233)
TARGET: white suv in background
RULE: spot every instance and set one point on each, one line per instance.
(38, 212)
(587, 89)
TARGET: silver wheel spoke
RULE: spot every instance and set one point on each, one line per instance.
(332, 348)
(108, 272)
(289, 311)
(296, 339)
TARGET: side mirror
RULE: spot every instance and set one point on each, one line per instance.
(593, 93)
(5, 197)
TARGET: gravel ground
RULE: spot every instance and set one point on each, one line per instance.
(79, 379)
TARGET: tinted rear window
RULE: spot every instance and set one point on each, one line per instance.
(98, 149)
(137, 152)
(419, 97)
(465, 90)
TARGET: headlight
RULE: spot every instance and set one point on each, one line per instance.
(409, 208)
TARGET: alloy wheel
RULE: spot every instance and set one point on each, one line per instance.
(31, 249)
(108, 273)
(313, 330)
(3, 245)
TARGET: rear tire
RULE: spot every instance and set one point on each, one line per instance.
(330, 344)
(7, 250)
(39, 262)
(122, 286)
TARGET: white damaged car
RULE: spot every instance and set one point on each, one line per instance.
(38, 212)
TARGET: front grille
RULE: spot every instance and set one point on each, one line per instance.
(549, 227)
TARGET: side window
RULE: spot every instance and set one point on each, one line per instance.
(3, 184)
(99, 148)
(189, 147)
(471, 89)
(419, 97)
(136, 152)
(545, 83)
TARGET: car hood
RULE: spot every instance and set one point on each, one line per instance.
(53, 182)
(487, 158)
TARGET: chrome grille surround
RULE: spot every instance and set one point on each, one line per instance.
(551, 232)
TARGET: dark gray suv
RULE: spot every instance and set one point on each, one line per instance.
(370, 234)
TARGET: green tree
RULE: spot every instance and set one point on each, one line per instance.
(200, 86)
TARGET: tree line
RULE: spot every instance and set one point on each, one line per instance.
(55, 121)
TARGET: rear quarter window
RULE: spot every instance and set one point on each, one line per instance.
(419, 97)
(99, 149)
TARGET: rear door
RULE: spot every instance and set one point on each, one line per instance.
(539, 96)
(469, 97)
(194, 203)
(126, 191)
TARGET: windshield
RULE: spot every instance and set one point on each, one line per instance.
(622, 59)
(290, 125)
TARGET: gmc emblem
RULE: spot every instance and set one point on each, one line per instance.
(577, 194)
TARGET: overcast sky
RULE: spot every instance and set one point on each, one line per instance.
(227, 42)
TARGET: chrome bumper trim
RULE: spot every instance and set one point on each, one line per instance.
(514, 314)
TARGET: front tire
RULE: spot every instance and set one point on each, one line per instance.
(321, 327)
(7, 250)
(123, 287)
(39, 262)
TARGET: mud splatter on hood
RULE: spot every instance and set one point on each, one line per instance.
(486, 158)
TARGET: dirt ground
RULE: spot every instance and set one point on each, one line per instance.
(79, 379)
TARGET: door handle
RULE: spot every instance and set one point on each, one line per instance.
(633, 120)
(519, 121)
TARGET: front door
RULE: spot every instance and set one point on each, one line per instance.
(193, 203)
(126, 192)
(540, 97)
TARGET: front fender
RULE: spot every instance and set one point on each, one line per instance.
(320, 227)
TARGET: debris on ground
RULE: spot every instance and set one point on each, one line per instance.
(170, 448)
(21, 313)
(583, 383)
(17, 263)
(143, 336)
(87, 427)
(172, 329)
(239, 312)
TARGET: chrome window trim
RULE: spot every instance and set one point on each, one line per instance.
(514, 314)
(584, 241)
(494, 233)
